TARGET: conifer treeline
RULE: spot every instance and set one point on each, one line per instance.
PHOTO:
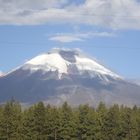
(65, 123)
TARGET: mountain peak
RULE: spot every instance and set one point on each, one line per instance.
(68, 54)
(68, 61)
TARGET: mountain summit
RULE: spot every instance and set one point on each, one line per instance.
(68, 62)
(67, 75)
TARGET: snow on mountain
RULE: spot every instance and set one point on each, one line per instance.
(67, 75)
(86, 64)
(1, 73)
(47, 62)
(67, 61)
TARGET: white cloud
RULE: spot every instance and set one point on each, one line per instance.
(30, 4)
(95, 34)
(72, 37)
(116, 14)
(65, 38)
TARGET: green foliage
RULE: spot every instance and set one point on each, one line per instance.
(10, 121)
(40, 122)
(111, 124)
(52, 123)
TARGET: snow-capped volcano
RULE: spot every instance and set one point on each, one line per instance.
(66, 61)
(67, 75)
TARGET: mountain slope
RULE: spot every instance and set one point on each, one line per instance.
(67, 75)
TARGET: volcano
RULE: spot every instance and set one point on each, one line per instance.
(67, 75)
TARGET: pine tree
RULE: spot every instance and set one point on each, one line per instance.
(138, 123)
(28, 124)
(84, 122)
(39, 115)
(1, 123)
(101, 112)
(34, 122)
(91, 124)
(10, 121)
(128, 124)
(66, 128)
(111, 124)
(52, 123)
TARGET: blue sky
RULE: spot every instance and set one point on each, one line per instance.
(28, 28)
